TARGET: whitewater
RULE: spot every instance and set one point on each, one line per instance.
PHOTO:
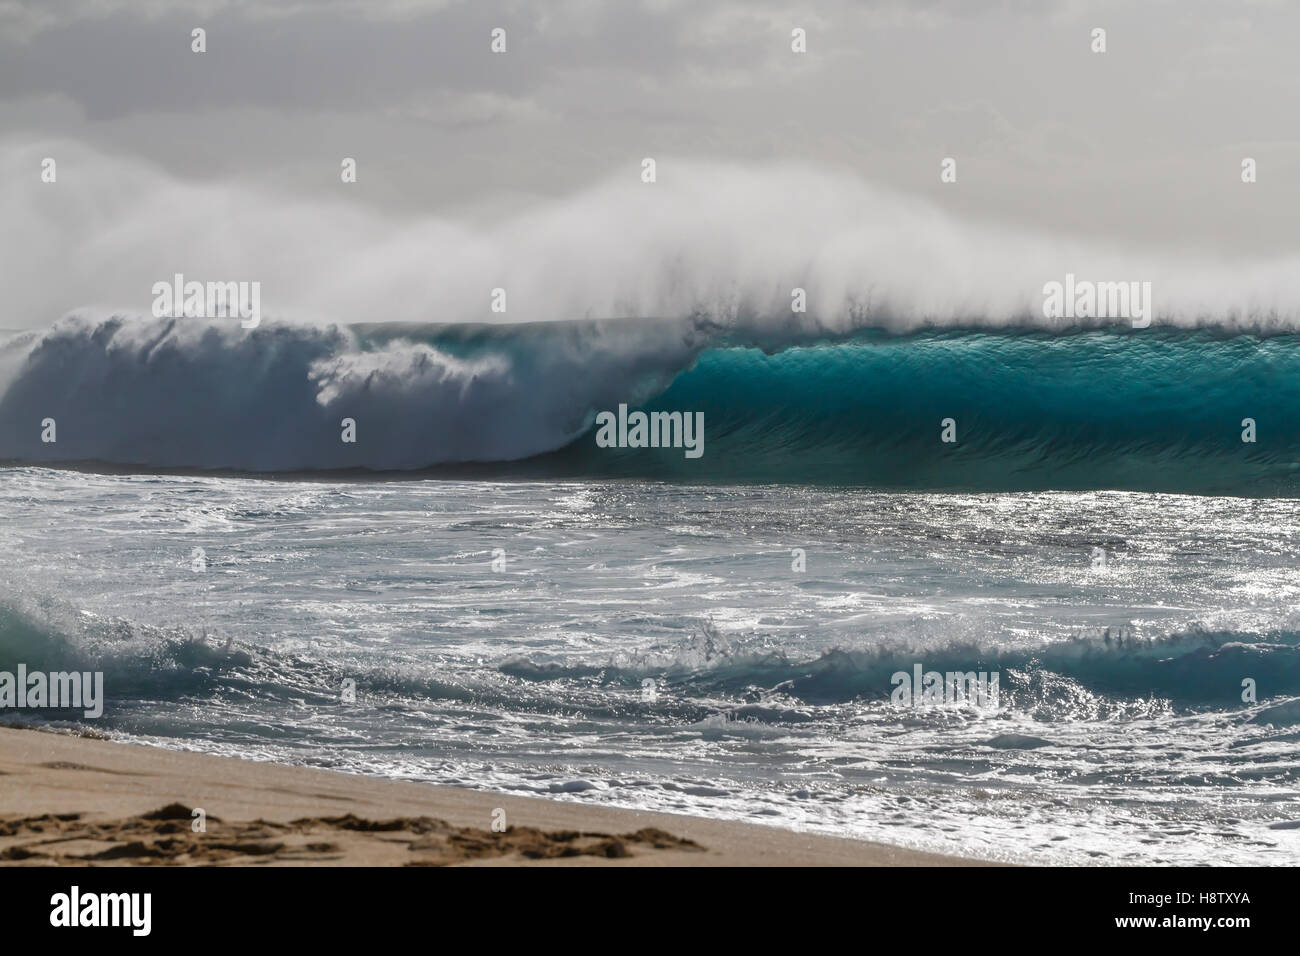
(499, 635)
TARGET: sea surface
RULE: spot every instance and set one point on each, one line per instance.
(499, 634)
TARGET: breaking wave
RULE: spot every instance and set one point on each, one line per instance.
(1159, 409)
(1100, 675)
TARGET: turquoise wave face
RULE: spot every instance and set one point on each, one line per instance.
(1156, 410)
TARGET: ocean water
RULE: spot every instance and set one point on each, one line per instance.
(1099, 536)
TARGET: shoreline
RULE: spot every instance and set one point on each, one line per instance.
(90, 801)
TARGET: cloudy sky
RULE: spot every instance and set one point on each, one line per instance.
(1139, 145)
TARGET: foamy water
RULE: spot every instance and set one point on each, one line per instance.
(1121, 736)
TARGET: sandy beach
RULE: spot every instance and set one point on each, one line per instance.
(70, 800)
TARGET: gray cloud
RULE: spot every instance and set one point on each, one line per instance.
(1142, 144)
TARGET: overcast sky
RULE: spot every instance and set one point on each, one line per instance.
(1141, 144)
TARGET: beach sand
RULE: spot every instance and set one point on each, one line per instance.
(75, 800)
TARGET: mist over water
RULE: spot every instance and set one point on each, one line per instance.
(724, 240)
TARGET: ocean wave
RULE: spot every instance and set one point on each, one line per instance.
(1149, 410)
(1103, 675)
(143, 663)
(1091, 675)
(137, 660)
(1153, 409)
(199, 394)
